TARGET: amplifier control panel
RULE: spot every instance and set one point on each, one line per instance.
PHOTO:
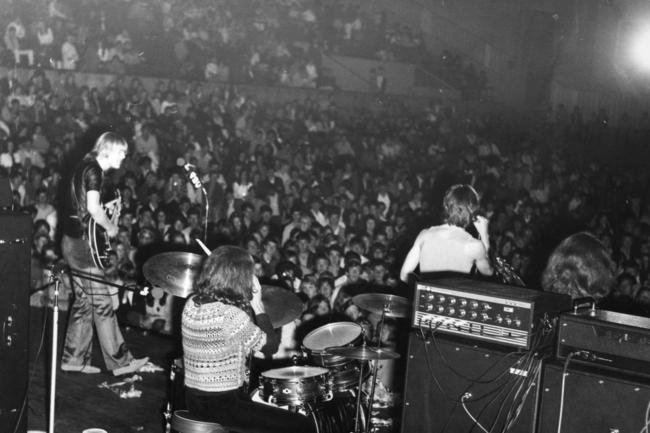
(479, 310)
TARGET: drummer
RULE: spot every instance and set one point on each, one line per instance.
(222, 324)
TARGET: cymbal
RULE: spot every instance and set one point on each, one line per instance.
(174, 272)
(280, 304)
(392, 305)
(364, 353)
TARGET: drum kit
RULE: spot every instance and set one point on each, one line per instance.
(340, 357)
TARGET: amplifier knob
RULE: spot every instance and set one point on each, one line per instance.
(508, 321)
(485, 317)
(441, 298)
(440, 309)
(517, 323)
(451, 311)
(473, 315)
(486, 306)
(452, 301)
(473, 304)
(431, 297)
(499, 319)
(429, 307)
(463, 302)
(461, 313)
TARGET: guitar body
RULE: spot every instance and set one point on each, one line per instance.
(98, 240)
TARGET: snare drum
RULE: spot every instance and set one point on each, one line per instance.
(296, 385)
(345, 372)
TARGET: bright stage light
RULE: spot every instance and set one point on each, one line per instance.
(640, 49)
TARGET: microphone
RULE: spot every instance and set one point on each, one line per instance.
(191, 174)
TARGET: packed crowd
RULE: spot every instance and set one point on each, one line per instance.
(268, 43)
(327, 199)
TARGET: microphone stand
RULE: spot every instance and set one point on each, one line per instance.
(207, 212)
(91, 277)
(196, 182)
(56, 278)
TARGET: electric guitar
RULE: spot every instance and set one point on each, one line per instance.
(98, 240)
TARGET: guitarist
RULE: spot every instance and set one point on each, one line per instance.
(93, 304)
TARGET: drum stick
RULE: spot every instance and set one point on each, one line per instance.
(205, 249)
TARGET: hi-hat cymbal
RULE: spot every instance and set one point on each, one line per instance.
(363, 353)
(280, 304)
(390, 305)
(174, 272)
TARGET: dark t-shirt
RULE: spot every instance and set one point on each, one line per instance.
(88, 176)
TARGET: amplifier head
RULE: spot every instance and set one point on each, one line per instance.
(485, 311)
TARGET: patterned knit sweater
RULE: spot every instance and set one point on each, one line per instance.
(217, 339)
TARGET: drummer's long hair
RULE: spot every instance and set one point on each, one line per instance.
(227, 276)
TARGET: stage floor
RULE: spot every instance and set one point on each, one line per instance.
(82, 402)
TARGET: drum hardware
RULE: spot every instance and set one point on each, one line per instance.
(345, 372)
(175, 272)
(385, 305)
(365, 353)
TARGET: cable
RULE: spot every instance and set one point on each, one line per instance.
(516, 408)
(467, 378)
(466, 396)
(562, 389)
(647, 420)
(31, 376)
(430, 368)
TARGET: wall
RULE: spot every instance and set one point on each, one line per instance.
(349, 98)
(353, 74)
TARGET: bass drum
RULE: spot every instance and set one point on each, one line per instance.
(334, 416)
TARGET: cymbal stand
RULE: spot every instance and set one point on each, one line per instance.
(375, 366)
(371, 398)
(357, 412)
(380, 328)
(56, 278)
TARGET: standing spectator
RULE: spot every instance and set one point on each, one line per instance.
(69, 54)
(13, 43)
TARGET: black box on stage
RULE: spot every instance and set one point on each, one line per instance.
(443, 374)
(595, 400)
(15, 262)
(608, 339)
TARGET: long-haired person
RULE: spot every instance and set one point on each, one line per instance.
(449, 247)
(222, 324)
(92, 301)
(580, 266)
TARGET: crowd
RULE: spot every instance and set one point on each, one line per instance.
(269, 43)
(327, 199)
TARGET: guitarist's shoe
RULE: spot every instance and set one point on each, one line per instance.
(86, 369)
(131, 367)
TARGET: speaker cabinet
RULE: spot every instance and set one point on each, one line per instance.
(15, 250)
(494, 385)
(594, 401)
